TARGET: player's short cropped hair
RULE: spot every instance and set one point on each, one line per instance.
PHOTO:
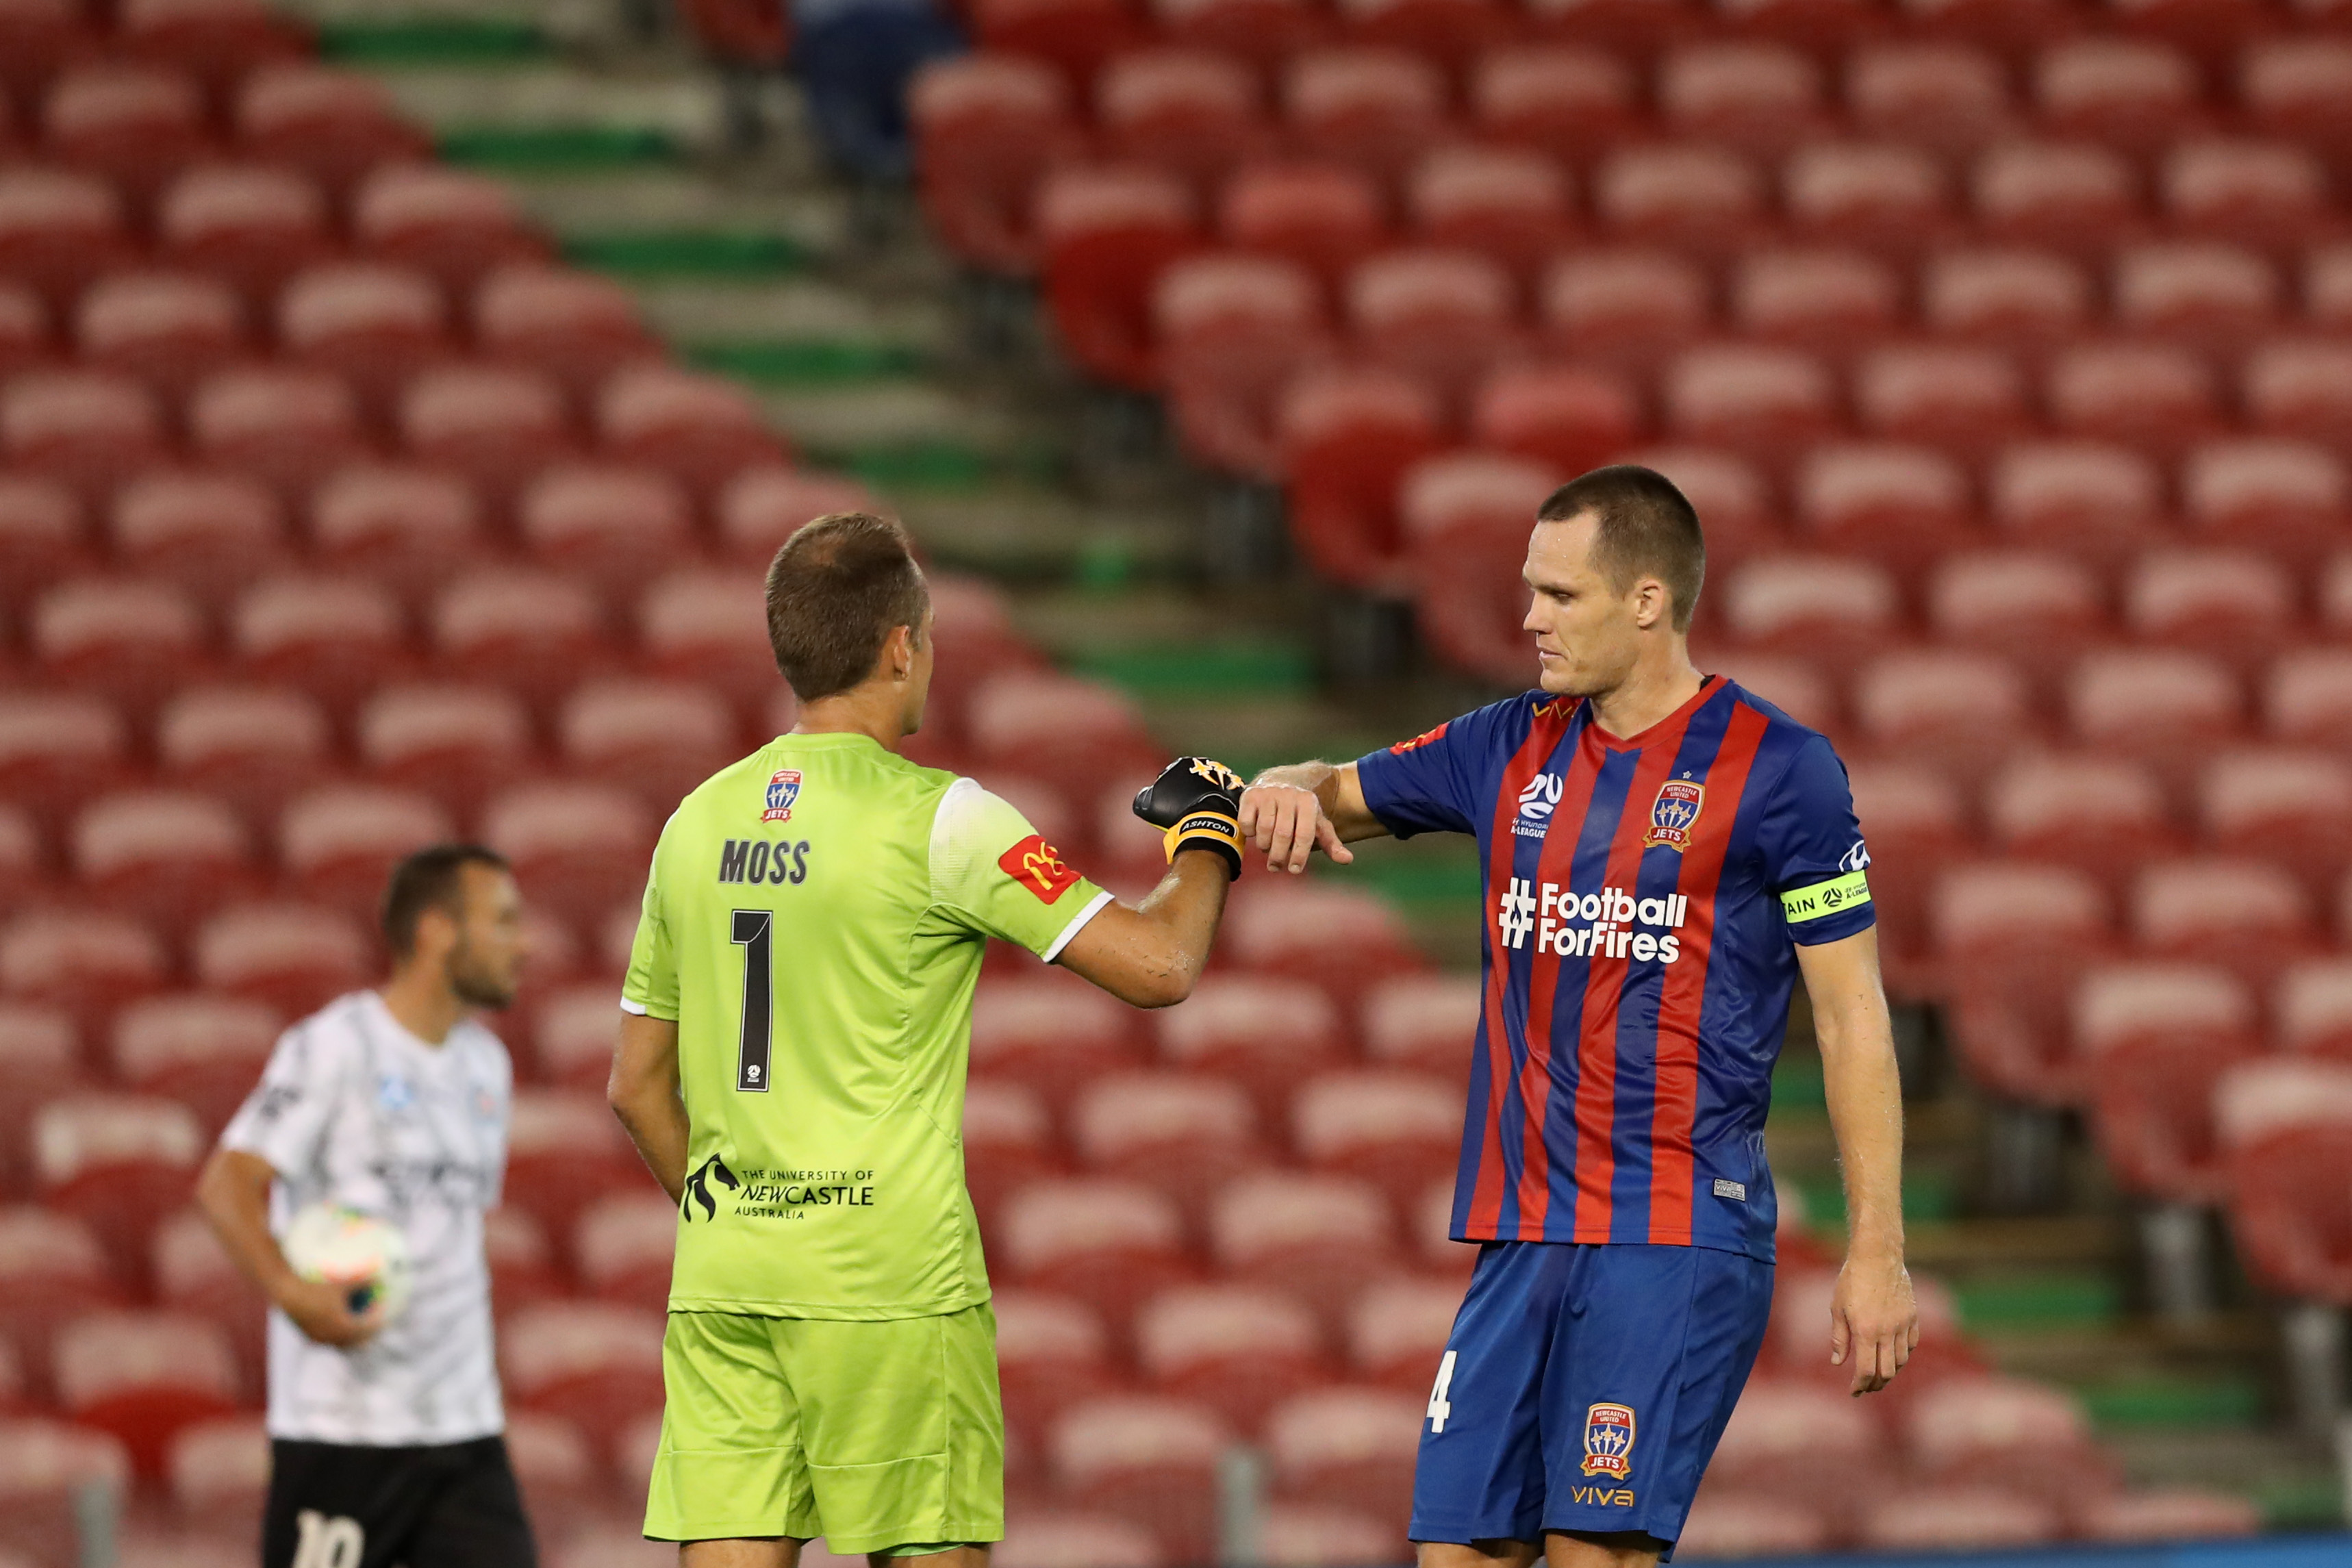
(431, 878)
(1648, 529)
(835, 591)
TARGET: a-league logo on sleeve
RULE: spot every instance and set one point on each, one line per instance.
(1038, 867)
(1609, 1440)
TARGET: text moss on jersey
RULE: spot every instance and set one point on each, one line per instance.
(814, 924)
(1643, 897)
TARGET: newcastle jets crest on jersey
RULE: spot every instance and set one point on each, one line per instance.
(1645, 896)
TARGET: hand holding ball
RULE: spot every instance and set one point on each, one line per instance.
(363, 1255)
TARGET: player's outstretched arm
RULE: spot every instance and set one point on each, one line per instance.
(234, 1193)
(1151, 954)
(1289, 813)
(1873, 1318)
(644, 1093)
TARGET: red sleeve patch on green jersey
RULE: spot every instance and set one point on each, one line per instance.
(1038, 867)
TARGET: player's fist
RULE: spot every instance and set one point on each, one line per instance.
(1198, 803)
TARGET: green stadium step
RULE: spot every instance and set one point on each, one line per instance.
(555, 149)
(811, 362)
(2055, 1298)
(1929, 1196)
(431, 41)
(951, 467)
(2302, 1502)
(2157, 1401)
(1419, 881)
(1235, 668)
(686, 253)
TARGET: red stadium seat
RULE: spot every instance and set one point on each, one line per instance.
(217, 1472)
(1260, 32)
(2151, 1041)
(1567, 101)
(1568, 417)
(1397, 1331)
(1077, 36)
(339, 844)
(1348, 438)
(1804, 1442)
(288, 425)
(376, 324)
(1049, 1032)
(1300, 1534)
(2308, 696)
(611, 525)
(1912, 818)
(22, 872)
(1069, 732)
(208, 532)
(407, 527)
(218, 40)
(1052, 1352)
(252, 227)
(2105, 815)
(1106, 234)
(535, 633)
(2151, 395)
(2008, 296)
(294, 958)
(2171, 1513)
(1344, 940)
(1727, 1524)
(708, 627)
(2262, 192)
(656, 739)
(577, 847)
(1949, 395)
(49, 1466)
(456, 743)
(1152, 1461)
(701, 430)
(57, 747)
(1906, 507)
(55, 1271)
(1265, 1031)
(204, 1051)
(2195, 291)
(498, 425)
(1325, 216)
(335, 125)
(455, 225)
(1947, 96)
(2298, 88)
(559, 1474)
(761, 507)
(2245, 914)
(40, 1052)
(2135, 94)
(1378, 108)
(2150, 703)
(1449, 31)
(2026, 1439)
(523, 1264)
(1822, 299)
(332, 636)
(1399, 1131)
(2290, 500)
(1320, 1238)
(624, 1242)
(1180, 1133)
(42, 536)
(37, 37)
(1726, 489)
(161, 855)
(2233, 605)
(116, 638)
(1640, 25)
(2287, 1130)
(2299, 388)
(1349, 1445)
(2071, 194)
(1830, 607)
(1685, 194)
(1755, 399)
(572, 1036)
(88, 427)
(1065, 1539)
(2020, 931)
(2087, 498)
(1108, 1244)
(564, 1151)
(594, 1363)
(166, 328)
(574, 326)
(1747, 93)
(192, 1273)
(85, 961)
(1964, 710)
(1238, 1350)
(1509, 204)
(1232, 330)
(1440, 317)
(133, 124)
(2251, 803)
(1883, 195)
(986, 127)
(1188, 112)
(1008, 1142)
(1957, 1518)
(119, 1162)
(57, 227)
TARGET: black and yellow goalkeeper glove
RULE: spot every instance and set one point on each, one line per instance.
(1198, 801)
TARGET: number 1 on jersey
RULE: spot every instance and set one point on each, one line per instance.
(753, 932)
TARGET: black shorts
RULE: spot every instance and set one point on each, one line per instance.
(451, 1505)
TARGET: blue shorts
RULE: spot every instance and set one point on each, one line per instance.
(1584, 1387)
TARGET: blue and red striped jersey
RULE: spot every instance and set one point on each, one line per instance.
(1643, 897)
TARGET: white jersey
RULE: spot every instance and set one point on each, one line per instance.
(354, 1109)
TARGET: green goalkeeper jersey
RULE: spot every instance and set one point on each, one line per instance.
(813, 922)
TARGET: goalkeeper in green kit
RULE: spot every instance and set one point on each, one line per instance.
(791, 1059)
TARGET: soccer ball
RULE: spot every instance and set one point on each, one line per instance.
(344, 1246)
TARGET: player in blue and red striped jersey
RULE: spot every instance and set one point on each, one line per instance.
(1664, 854)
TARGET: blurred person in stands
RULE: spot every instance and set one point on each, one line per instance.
(1666, 854)
(796, 1022)
(388, 1437)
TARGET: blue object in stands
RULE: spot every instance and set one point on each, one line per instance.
(854, 59)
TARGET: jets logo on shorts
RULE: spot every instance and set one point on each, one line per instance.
(1609, 1440)
(1673, 814)
(783, 788)
(1038, 867)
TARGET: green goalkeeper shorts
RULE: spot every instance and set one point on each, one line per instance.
(872, 1434)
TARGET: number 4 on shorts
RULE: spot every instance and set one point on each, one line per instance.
(1439, 1409)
